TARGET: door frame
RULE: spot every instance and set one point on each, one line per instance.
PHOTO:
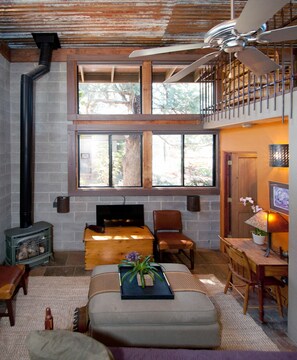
(226, 176)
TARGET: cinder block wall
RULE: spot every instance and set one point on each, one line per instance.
(5, 162)
(51, 171)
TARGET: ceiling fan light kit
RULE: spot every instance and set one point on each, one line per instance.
(236, 36)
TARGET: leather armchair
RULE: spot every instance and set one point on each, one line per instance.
(169, 235)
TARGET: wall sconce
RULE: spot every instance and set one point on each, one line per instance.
(279, 155)
(193, 203)
(62, 204)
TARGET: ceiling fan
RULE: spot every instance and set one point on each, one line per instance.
(236, 36)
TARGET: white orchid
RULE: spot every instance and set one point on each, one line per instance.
(255, 208)
(249, 200)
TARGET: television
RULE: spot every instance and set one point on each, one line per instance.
(119, 215)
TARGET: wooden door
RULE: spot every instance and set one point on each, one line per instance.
(241, 181)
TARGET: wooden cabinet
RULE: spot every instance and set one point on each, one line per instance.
(111, 246)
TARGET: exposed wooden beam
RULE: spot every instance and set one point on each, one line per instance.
(170, 72)
(105, 53)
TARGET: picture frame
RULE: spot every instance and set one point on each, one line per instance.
(279, 197)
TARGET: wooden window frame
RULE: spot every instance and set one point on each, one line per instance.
(144, 123)
(147, 188)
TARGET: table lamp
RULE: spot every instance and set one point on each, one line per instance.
(269, 222)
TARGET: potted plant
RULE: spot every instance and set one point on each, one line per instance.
(258, 234)
(142, 268)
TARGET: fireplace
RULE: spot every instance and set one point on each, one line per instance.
(31, 246)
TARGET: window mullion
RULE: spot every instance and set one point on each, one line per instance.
(183, 159)
(78, 160)
(147, 158)
(146, 86)
(110, 160)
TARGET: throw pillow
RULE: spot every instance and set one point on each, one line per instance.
(65, 345)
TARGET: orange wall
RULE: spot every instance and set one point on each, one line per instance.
(257, 139)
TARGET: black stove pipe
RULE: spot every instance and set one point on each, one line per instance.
(47, 43)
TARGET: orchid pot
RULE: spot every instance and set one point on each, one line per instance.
(258, 239)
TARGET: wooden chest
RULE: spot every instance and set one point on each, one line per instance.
(111, 246)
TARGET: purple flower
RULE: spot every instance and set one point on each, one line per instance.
(133, 256)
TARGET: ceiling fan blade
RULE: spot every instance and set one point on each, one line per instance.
(187, 70)
(256, 13)
(166, 49)
(279, 35)
(256, 61)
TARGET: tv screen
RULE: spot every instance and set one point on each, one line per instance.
(119, 215)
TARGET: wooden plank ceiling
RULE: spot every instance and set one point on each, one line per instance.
(95, 23)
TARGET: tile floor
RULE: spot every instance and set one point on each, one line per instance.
(71, 263)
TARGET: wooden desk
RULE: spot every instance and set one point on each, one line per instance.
(262, 266)
(111, 246)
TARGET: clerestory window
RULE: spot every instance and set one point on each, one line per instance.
(190, 95)
(109, 89)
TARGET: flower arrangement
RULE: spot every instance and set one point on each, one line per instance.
(255, 208)
(141, 266)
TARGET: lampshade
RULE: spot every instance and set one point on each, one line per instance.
(279, 155)
(268, 221)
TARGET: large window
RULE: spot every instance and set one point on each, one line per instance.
(183, 160)
(132, 134)
(109, 160)
(147, 162)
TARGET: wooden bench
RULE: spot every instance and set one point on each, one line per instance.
(11, 279)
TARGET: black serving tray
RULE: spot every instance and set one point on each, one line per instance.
(132, 291)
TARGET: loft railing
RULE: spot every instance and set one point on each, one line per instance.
(232, 87)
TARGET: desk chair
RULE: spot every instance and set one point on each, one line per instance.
(169, 236)
(239, 268)
(225, 243)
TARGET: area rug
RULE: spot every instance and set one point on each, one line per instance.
(64, 294)
(238, 331)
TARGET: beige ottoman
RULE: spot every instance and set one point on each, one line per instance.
(188, 321)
